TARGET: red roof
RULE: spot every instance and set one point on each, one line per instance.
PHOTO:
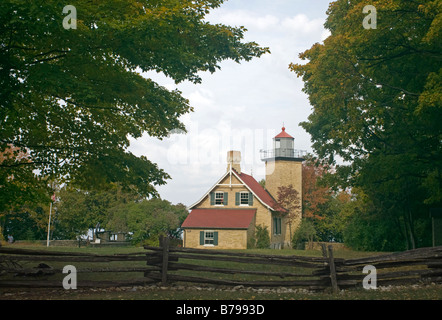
(260, 192)
(219, 218)
(284, 134)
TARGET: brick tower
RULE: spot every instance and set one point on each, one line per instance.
(283, 168)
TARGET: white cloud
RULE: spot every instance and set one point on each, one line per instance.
(201, 97)
(302, 24)
(243, 18)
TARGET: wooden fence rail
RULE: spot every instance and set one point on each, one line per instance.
(320, 273)
(47, 268)
(195, 260)
(165, 265)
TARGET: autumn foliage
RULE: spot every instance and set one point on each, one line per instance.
(314, 192)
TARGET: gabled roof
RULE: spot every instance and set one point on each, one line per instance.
(253, 186)
(219, 218)
(260, 192)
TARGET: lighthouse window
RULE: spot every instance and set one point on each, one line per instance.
(277, 143)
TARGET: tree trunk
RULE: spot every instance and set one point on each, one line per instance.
(411, 244)
(290, 233)
(410, 226)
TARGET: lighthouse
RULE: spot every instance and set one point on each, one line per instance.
(283, 167)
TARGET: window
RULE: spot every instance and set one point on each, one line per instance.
(244, 198)
(219, 198)
(277, 143)
(208, 237)
(276, 225)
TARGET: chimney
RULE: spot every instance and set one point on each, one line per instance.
(233, 160)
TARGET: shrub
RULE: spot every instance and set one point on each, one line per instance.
(305, 232)
(261, 238)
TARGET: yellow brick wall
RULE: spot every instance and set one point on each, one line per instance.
(283, 173)
(227, 239)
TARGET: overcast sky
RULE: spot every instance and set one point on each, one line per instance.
(242, 106)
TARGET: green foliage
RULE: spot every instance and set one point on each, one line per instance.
(73, 98)
(261, 238)
(24, 224)
(146, 220)
(118, 211)
(329, 228)
(306, 232)
(367, 232)
(78, 211)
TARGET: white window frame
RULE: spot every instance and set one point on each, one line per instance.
(216, 198)
(241, 198)
(208, 239)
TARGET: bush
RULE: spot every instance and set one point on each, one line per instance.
(261, 238)
(151, 241)
(306, 232)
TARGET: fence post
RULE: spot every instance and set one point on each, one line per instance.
(331, 263)
(164, 242)
(324, 250)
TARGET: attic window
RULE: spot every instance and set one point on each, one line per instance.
(219, 198)
(244, 200)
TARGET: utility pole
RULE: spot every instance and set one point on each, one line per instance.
(50, 215)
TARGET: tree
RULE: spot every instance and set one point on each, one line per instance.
(377, 105)
(333, 218)
(72, 98)
(315, 192)
(305, 232)
(77, 211)
(25, 224)
(366, 228)
(261, 238)
(322, 204)
(288, 198)
(18, 184)
(148, 219)
(116, 210)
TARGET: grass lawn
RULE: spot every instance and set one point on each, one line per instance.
(181, 291)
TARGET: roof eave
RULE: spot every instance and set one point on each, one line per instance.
(210, 189)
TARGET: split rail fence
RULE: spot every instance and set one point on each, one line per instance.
(315, 273)
(24, 268)
(166, 265)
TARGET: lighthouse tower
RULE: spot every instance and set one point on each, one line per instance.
(283, 168)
